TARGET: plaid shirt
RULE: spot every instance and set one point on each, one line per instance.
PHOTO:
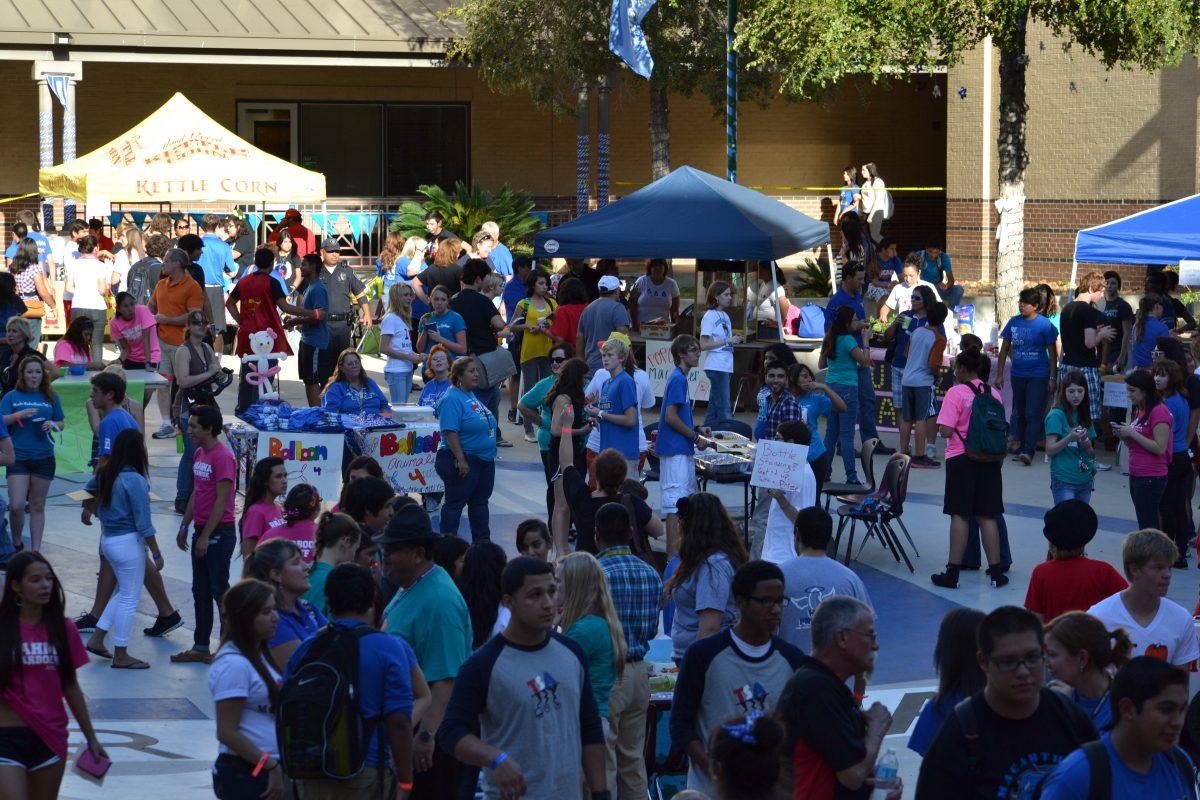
(779, 411)
(637, 594)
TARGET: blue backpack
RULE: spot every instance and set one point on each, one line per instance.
(811, 322)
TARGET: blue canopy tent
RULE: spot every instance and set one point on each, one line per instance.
(687, 214)
(1166, 234)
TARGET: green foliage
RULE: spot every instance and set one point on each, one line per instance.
(813, 279)
(468, 207)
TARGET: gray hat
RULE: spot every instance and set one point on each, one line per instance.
(329, 243)
(409, 525)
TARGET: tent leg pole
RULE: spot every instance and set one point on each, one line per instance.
(832, 274)
(774, 287)
(1074, 274)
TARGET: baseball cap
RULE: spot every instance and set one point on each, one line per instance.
(610, 283)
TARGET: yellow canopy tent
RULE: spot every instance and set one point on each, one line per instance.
(179, 154)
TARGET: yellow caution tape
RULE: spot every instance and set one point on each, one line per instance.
(20, 197)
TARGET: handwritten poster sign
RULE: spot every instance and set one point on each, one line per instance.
(777, 465)
(660, 365)
(312, 458)
(1115, 392)
(407, 457)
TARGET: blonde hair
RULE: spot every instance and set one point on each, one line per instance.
(492, 229)
(410, 247)
(116, 369)
(396, 294)
(134, 242)
(1142, 547)
(23, 324)
(618, 345)
(447, 252)
(586, 591)
(492, 282)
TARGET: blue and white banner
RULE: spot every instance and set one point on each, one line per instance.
(58, 84)
(626, 38)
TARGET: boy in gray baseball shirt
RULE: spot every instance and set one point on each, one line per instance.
(522, 707)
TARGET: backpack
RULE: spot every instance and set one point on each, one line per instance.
(987, 432)
(811, 322)
(968, 723)
(1100, 769)
(319, 723)
(889, 207)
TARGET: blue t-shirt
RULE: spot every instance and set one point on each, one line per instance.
(616, 395)
(385, 665)
(932, 715)
(1072, 778)
(30, 442)
(216, 256)
(463, 413)
(113, 423)
(297, 625)
(501, 260)
(43, 247)
(1143, 347)
(843, 298)
(448, 325)
(671, 442)
(432, 393)
(514, 292)
(341, 398)
(816, 405)
(904, 330)
(1179, 421)
(1100, 709)
(1030, 338)
(849, 195)
(932, 268)
(316, 296)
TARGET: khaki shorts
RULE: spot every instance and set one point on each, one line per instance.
(166, 366)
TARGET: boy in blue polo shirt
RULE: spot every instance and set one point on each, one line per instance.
(678, 437)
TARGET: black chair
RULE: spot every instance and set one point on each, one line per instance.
(887, 504)
(849, 491)
(651, 472)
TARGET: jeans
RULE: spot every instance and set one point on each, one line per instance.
(491, 399)
(840, 428)
(399, 385)
(1060, 491)
(971, 556)
(866, 405)
(472, 491)
(718, 396)
(247, 392)
(184, 479)
(1174, 503)
(953, 296)
(1147, 495)
(126, 553)
(1028, 411)
(210, 578)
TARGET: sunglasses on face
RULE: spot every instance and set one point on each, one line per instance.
(558, 360)
(182, 227)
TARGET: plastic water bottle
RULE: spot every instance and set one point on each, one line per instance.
(886, 770)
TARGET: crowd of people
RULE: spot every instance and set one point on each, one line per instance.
(442, 667)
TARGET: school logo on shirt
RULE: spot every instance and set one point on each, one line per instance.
(39, 654)
(751, 697)
(545, 693)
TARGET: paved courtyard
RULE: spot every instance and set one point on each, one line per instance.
(159, 723)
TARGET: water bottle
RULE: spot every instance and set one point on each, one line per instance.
(886, 770)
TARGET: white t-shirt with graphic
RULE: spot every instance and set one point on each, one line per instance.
(401, 342)
(1170, 636)
(715, 323)
(654, 301)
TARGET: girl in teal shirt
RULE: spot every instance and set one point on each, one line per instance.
(1069, 438)
(842, 356)
(590, 618)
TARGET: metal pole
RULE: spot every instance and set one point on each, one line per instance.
(731, 95)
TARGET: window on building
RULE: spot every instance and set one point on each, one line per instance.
(425, 144)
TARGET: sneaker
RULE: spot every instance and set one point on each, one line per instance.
(531, 438)
(924, 462)
(164, 625)
(1024, 458)
(166, 431)
(86, 622)
(884, 450)
(1102, 467)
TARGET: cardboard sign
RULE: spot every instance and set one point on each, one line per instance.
(1116, 394)
(312, 458)
(407, 457)
(660, 365)
(777, 465)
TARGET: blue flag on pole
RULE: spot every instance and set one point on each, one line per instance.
(625, 36)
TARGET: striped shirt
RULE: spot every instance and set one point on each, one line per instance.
(637, 592)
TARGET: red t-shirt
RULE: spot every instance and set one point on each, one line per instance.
(1077, 584)
(566, 322)
(35, 691)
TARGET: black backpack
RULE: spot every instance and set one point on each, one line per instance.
(320, 725)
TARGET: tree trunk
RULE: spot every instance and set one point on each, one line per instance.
(1012, 159)
(660, 130)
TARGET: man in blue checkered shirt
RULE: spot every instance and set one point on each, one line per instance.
(637, 593)
(779, 406)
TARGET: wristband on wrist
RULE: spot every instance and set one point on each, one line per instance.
(500, 759)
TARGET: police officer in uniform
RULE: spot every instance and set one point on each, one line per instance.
(345, 291)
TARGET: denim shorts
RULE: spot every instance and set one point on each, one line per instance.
(37, 467)
(21, 747)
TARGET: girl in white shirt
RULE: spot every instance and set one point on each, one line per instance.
(395, 342)
(132, 251)
(716, 341)
(874, 199)
(244, 684)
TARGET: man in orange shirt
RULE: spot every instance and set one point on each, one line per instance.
(175, 296)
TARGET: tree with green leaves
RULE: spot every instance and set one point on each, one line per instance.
(552, 48)
(815, 45)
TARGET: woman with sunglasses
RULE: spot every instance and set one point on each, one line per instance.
(536, 411)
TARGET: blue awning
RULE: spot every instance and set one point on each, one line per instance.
(1167, 234)
(687, 214)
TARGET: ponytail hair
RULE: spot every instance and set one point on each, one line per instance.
(745, 754)
(302, 502)
(331, 529)
(1079, 631)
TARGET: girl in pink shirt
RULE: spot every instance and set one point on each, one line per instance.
(33, 722)
(300, 511)
(268, 482)
(133, 329)
(1148, 437)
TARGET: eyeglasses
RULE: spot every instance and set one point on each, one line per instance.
(874, 637)
(771, 602)
(1030, 661)
(558, 360)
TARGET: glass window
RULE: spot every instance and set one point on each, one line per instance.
(345, 143)
(426, 144)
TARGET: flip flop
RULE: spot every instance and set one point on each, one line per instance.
(99, 652)
(191, 657)
(134, 664)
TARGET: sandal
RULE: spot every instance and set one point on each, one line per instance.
(133, 663)
(99, 651)
(191, 657)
